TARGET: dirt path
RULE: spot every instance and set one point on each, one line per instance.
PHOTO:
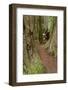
(48, 61)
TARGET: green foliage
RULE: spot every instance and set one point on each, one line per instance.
(51, 23)
(35, 67)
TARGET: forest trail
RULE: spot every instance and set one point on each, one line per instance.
(47, 60)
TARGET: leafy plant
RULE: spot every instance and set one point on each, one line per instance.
(35, 67)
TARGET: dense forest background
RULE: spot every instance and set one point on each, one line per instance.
(38, 30)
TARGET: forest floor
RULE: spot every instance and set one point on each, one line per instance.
(49, 62)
